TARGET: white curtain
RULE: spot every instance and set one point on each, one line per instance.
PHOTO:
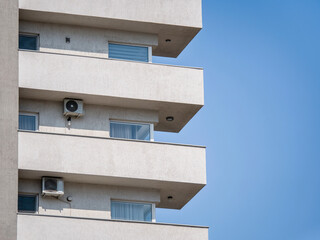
(130, 131)
(131, 211)
(120, 130)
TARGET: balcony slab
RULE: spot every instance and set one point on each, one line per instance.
(40, 227)
(170, 90)
(175, 170)
(178, 20)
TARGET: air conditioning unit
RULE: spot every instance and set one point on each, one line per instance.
(52, 186)
(73, 107)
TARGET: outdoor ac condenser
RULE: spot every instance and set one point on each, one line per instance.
(52, 186)
(73, 107)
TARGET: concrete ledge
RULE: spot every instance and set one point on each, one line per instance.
(175, 170)
(39, 227)
(172, 91)
(85, 55)
(178, 20)
(114, 220)
(118, 139)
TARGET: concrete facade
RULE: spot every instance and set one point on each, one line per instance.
(8, 118)
(168, 12)
(84, 41)
(178, 20)
(95, 122)
(177, 170)
(170, 90)
(33, 227)
(72, 61)
(88, 200)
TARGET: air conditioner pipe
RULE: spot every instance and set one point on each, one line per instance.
(69, 122)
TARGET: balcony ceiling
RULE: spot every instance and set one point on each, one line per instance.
(178, 20)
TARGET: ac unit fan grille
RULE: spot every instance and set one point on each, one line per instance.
(51, 185)
(72, 106)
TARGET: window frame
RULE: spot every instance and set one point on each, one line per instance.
(34, 35)
(134, 45)
(153, 209)
(36, 195)
(133, 123)
(36, 115)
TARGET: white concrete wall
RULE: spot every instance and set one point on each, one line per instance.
(95, 121)
(173, 91)
(177, 170)
(177, 12)
(88, 200)
(178, 20)
(8, 118)
(83, 40)
(125, 79)
(34, 227)
(112, 157)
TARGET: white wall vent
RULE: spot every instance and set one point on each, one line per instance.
(52, 186)
(73, 107)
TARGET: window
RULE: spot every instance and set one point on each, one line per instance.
(27, 203)
(129, 52)
(28, 121)
(28, 41)
(131, 211)
(138, 131)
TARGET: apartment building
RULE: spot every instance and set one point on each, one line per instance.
(80, 101)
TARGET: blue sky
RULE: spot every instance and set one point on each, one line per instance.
(260, 122)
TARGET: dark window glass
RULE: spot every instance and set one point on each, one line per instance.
(28, 42)
(128, 52)
(27, 203)
(27, 122)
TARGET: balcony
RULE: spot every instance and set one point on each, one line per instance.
(176, 170)
(170, 90)
(178, 20)
(39, 227)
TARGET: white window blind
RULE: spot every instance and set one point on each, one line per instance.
(128, 52)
